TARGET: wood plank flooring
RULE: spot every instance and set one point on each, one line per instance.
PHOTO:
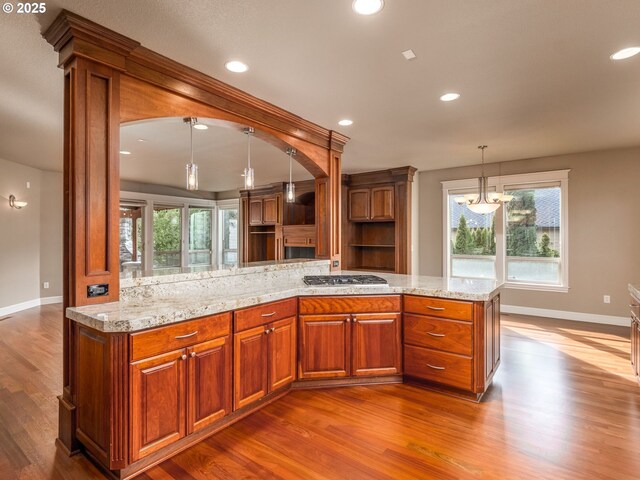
(563, 406)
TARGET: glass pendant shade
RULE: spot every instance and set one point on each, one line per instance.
(290, 192)
(248, 178)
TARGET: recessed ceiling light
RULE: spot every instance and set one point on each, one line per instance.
(367, 7)
(448, 97)
(346, 122)
(409, 54)
(142, 139)
(200, 126)
(236, 66)
(625, 53)
(124, 152)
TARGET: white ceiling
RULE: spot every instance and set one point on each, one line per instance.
(535, 75)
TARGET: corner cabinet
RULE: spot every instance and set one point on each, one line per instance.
(349, 337)
(180, 381)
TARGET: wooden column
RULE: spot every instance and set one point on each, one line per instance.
(328, 207)
(91, 183)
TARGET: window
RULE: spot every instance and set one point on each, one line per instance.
(228, 221)
(523, 244)
(131, 237)
(167, 236)
(200, 220)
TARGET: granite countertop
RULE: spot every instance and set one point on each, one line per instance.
(635, 290)
(145, 312)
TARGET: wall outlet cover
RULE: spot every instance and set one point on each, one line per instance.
(607, 299)
(45, 285)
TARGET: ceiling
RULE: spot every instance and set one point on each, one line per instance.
(535, 75)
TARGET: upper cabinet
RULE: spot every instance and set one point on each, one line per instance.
(372, 204)
(265, 210)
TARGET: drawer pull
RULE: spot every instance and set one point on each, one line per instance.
(436, 334)
(180, 337)
(633, 305)
(269, 314)
(438, 309)
(434, 367)
(184, 356)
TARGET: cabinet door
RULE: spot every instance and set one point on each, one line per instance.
(255, 211)
(282, 353)
(382, 203)
(359, 203)
(325, 346)
(376, 344)
(249, 366)
(158, 402)
(270, 211)
(209, 393)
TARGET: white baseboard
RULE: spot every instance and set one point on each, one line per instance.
(36, 302)
(564, 315)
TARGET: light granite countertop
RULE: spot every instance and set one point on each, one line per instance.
(142, 312)
(635, 290)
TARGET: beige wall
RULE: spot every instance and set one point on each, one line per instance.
(604, 228)
(20, 236)
(51, 234)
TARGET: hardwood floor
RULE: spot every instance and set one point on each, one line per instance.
(563, 405)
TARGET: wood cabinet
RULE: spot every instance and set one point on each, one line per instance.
(178, 392)
(338, 341)
(452, 343)
(265, 210)
(264, 351)
(299, 235)
(634, 305)
(377, 220)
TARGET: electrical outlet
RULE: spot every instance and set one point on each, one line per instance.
(28, 184)
(607, 299)
(46, 285)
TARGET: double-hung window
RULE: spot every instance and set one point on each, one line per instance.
(523, 244)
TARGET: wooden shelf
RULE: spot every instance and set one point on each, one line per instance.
(262, 233)
(371, 245)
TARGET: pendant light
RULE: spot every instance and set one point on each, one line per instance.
(483, 202)
(249, 180)
(192, 168)
(290, 194)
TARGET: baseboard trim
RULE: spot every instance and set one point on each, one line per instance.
(565, 315)
(36, 302)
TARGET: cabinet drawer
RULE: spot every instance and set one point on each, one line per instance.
(263, 314)
(439, 307)
(359, 304)
(448, 335)
(174, 337)
(441, 367)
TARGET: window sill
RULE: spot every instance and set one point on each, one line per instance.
(537, 287)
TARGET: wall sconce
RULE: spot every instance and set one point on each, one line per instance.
(17, 204)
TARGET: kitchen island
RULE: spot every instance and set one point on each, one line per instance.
(186, 353)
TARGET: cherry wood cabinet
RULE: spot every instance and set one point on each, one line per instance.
(264, 351)
(359, 204)
(265, 210)
(338, 341)
(452, 343)
(255, 211)
(382, 203)
(178, 392)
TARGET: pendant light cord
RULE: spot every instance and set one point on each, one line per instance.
(290, 162)
(249, 149)
(191, 134)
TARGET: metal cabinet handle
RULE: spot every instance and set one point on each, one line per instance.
(184, 356)
(267, 331)
(348, 320)
(193, 354)
(436, 334)
(269, 314)
(633, 305)
(438, 309)
(355, 320)
(180, 337)
(273, 329)
(434, 367)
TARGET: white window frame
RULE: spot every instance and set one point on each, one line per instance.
(498, 184)
(179, 202)
(226, 205)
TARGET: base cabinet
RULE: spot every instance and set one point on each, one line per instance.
(346, 343)
(264, 355)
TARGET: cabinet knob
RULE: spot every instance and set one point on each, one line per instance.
(348, 320)
(184, 356)
(267, 331)
(273, 329)
(193, 354)
(355, 320)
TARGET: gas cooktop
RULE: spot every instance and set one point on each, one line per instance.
(344, 280)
